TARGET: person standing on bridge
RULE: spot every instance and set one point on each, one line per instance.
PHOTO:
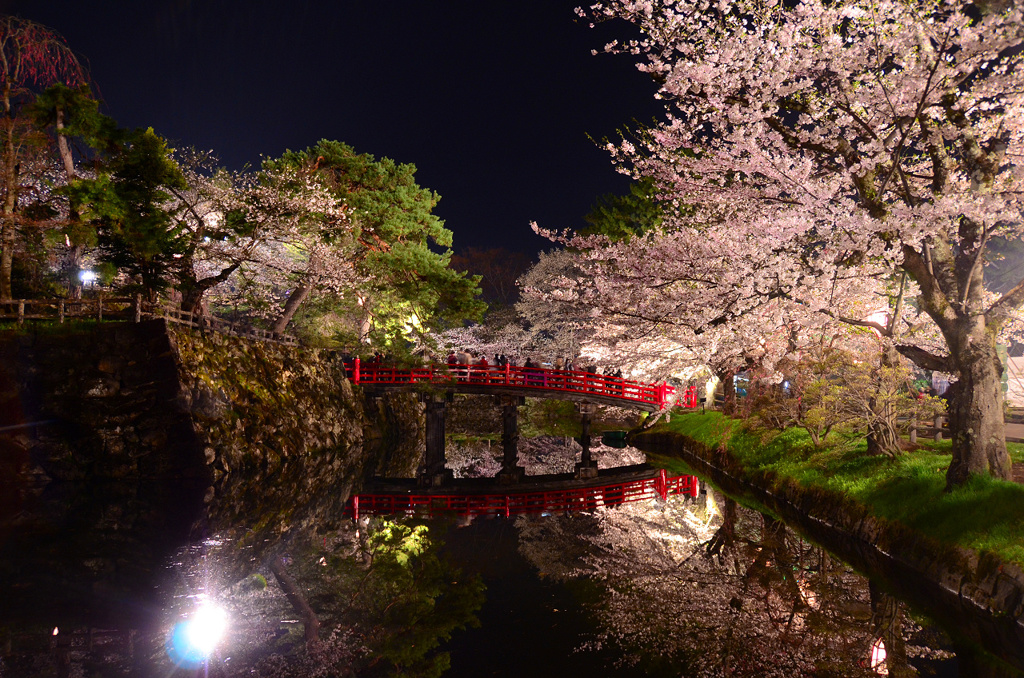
(465, 359)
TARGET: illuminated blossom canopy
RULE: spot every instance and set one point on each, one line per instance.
(846, 138)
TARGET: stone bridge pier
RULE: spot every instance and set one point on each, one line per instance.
(587, 467)
(433, 472)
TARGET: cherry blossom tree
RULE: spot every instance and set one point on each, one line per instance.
(31, 56)
(278, 228)
(873, 133)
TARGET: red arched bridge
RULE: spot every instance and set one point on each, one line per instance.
(542, 495)
(524, 381)
(509, 385)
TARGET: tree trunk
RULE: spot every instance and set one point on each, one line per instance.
(73, 263)
(365, 324)
(728, 391)
(310, 623)
(295, 299)
(882, 431)
(976, 410)
(724, 538)
(8, 227)
(887, 620)
(192, 290)
(7, 239)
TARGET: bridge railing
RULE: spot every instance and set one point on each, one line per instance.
(521, 377)
(510, 503)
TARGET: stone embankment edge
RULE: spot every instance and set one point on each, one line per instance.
(942, 581)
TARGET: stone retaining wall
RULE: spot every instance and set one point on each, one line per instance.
(159, 434)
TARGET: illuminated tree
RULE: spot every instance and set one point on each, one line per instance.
(863, 133)
(392, 230)
(31, 56)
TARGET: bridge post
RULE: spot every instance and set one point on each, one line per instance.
(511, 473)
(587, 467)
(433, 472)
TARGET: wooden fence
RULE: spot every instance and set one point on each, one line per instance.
(132, 309)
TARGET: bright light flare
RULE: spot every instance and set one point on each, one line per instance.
(87, 276)
(206, 628)
(194, 640)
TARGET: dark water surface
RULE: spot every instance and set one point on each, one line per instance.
(112, 566)
(530, 625)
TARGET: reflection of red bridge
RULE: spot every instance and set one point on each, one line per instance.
(509, 380)
(475, 498)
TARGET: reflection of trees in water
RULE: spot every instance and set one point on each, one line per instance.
(378, 602)
(539, 455)
(373, 604)
(685, 593)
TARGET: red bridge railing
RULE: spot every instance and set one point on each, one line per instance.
(542, 379)
(509, 503)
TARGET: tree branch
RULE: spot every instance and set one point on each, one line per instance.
(923, 358)
(999, 312)
(934, 301)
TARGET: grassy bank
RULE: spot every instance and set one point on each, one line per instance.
(984, 515)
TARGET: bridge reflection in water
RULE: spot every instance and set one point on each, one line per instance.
(542, 494)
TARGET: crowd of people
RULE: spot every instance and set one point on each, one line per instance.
(467, 365)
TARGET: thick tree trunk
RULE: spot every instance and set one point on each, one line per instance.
(724, 538)
(295, 299)
(192, 290)
(976, 409)
(951, 291)
(728, 391)
(74, 271)
(8, 226)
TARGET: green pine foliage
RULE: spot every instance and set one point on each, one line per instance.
(126, 202)
(402, 247)
(402, 597)
(621, 217)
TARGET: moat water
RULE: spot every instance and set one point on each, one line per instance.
(95, 579)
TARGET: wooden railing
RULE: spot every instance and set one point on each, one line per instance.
(132, 309)
(934, 428)
(100, 308)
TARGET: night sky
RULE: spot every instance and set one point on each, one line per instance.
(492, 101)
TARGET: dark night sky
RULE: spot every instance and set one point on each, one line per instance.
(492, 101)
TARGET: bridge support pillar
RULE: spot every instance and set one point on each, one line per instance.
(433, 471)
(587, 467)
(511, 473)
